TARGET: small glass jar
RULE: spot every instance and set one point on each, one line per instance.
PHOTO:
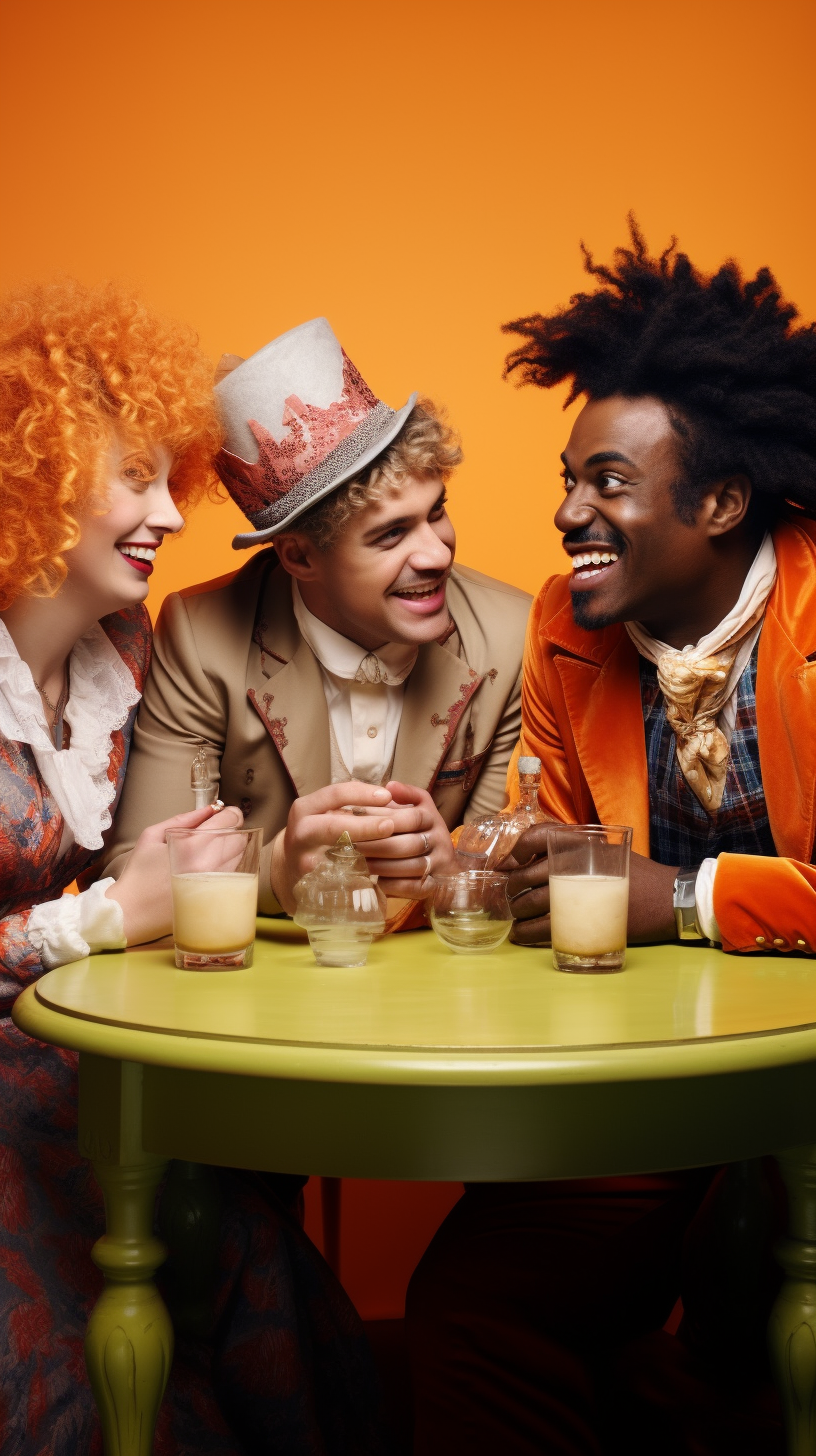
(340, 907)
(470, 911)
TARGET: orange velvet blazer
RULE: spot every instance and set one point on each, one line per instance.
(582, 716)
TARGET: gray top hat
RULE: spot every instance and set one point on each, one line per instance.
(299, 421)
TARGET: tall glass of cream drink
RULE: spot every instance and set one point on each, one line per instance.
(589, 895)
(214, 878)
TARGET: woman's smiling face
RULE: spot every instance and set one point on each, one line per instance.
(111, 564)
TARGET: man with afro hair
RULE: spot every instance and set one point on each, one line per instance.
(691, 473)
(669, 684)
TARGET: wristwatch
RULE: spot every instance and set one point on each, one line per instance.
(685, 905)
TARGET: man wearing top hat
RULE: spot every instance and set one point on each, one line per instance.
(351, 676)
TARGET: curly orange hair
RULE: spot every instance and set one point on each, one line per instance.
(77, 364)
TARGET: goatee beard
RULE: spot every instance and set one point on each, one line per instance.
(585, 618)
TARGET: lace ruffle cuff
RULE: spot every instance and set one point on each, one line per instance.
(76, 926)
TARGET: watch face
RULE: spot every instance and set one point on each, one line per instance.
(685, 889)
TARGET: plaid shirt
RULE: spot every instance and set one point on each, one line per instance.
(680, 830)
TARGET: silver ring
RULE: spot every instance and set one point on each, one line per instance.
(426, 844)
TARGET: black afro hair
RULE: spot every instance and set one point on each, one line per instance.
(721, 352)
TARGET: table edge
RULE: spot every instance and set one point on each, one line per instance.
(758, 1052)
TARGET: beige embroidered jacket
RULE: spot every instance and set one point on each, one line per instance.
(232, 673)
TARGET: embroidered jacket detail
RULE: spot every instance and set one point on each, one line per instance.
(455, 711)
(275, 726)
(258, 639)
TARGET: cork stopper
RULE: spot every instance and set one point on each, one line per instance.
(529, 765)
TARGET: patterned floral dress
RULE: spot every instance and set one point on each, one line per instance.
(287, 1371)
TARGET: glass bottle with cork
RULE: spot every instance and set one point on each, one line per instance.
(483, 844)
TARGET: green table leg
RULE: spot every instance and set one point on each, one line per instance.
(129, 1342)
(792, 1329)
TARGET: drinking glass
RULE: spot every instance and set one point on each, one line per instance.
(470, 911)
(589, 895)
(214, 878)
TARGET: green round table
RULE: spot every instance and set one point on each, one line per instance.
(423, 1064)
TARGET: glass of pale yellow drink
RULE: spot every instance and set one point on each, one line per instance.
(214, 878)
(589, 895)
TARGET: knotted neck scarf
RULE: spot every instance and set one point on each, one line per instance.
(390, 664)
(699, 682)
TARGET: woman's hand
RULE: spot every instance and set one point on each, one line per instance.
(316, 821)
(143, 888)
(418, 847)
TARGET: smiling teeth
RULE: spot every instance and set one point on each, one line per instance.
(142, 553)
(594, 558)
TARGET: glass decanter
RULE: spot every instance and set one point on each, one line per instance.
(339, 906)
(483, 844)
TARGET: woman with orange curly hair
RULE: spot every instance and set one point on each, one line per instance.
(107, 425)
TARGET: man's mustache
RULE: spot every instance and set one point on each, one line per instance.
(584, 535)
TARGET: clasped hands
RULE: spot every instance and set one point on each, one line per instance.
(651, 912)
(397, 827)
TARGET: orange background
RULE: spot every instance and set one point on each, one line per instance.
(419, 174)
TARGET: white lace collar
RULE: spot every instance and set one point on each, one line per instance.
(102, 695)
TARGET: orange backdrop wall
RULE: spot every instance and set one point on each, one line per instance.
(419, 173)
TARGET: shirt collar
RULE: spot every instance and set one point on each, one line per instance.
(390, 664)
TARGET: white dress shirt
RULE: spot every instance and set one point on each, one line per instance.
(364, 695)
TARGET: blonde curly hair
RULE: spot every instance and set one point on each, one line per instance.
(425, 447)
(78, 364)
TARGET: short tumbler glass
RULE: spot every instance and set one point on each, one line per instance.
(214, 878)
(470, 912)
(589, 895)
